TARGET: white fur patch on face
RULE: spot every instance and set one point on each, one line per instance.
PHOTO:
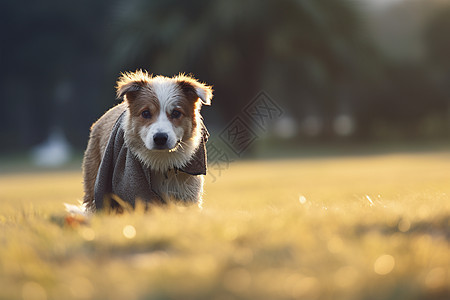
(141, 139)
(168, 95)
(161, 126)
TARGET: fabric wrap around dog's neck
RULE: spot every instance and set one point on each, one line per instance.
(123, 175)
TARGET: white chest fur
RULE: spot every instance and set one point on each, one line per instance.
(178, 186)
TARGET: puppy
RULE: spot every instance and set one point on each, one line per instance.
(151, 147)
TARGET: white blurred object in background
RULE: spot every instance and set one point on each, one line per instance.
(53, 152)
(286, 128)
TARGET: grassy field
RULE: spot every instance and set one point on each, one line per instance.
(368, 227)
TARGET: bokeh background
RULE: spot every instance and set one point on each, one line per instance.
(343, 192)
(344, 71)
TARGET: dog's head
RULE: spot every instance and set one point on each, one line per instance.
(164, 112)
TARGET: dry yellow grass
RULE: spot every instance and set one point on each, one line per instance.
(374, 227)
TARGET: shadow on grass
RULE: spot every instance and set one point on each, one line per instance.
(437, 228)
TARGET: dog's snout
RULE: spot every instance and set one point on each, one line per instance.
(160, 139)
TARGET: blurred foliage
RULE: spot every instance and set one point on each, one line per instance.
(304, 52)
(52, 58)
(315, 58)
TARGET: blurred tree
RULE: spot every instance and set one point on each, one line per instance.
(437, 36)
(409, 101)
(406, 97)
(315, 58)
(302, 50)
(51, 55)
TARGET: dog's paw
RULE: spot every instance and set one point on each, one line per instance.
(76, 215)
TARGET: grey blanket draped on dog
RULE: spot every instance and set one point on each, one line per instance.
(122, 174)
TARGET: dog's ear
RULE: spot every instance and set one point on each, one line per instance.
(130, 83)
(194, 89)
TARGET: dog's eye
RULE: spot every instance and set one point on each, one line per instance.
(175, 114)
(146, 114)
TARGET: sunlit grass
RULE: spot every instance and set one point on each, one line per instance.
(373, 227)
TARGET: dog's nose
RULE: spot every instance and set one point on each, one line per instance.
(160, 139)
